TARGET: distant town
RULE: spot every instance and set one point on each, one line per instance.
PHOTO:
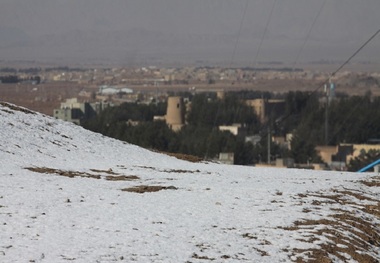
(80, 94)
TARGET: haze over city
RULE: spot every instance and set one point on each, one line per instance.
(187, 131)
(172, 31)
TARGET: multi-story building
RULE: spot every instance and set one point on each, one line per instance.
(76, 112)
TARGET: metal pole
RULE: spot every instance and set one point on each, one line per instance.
(369, 166)
(327, 117)
(269, 138)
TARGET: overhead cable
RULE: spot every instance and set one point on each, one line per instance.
(239, 33)
(308, 34)
(265, 32)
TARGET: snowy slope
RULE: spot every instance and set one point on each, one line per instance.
(70, 195)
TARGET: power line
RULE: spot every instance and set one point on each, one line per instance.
(308, 34)
(239, 32)
(231, 61)
(356, 52)
(265, 32)
(336, 71)
(347, 61)
(348, 117)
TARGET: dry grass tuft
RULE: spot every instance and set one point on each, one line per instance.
(362, 235)
(261, 252)
(7, 111)
(179, 171)
(16, 108)
(147, 188)
(375, 182)
(70, 174)
(109, 171)
(196, 256)
(122, 178)
(186, 157)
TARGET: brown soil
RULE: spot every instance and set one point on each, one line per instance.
(43, 98)
(179, 171)
(186, 157)
(109, 171)
(363, 233)
(375, 182)
(122, 178)
(70, 174)
(202, 257)
(16, 108)
(147, 188)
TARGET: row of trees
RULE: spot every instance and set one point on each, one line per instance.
(38, 70)
(12, 79)
(200, 137)
(351, 119)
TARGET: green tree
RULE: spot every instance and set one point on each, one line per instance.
(303, 150)
(364, 159)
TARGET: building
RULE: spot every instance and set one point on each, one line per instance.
(337, 157)
(265, 108)
(175, 113)
(254, 139)
(357, 149)
(226, 158)
(73, 111)
(285, 162)
(113, 90)
(235, 129)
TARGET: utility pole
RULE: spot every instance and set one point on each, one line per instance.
(269, 138)
(326, 122)
(156, 85)
(329, 94)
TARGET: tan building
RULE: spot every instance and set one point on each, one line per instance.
(221, 94)
(264, 108)
(358, 148)
(326, 153)
(175, 113)
(235, 129)
(337, 157)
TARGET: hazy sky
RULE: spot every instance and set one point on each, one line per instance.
(187, 29)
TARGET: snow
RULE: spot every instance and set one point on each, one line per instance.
(210, 212)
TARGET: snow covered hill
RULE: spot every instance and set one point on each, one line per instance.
(70, 195)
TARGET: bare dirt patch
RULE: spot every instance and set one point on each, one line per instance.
(249, 236)
(16, 108)
(261, 252)
(178, 171)
(122, 178)
(70, 174)
(375, 182)
(109, 171)
(195, 255)
(186, 157)
(148, 189)
(352, 235)
(7, 111)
